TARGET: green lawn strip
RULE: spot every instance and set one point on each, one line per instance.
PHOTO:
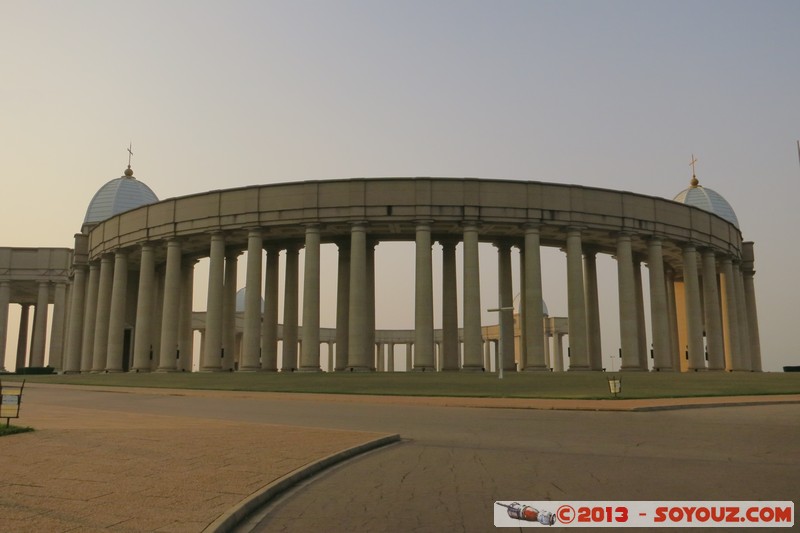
(567, 385)
(11, 430)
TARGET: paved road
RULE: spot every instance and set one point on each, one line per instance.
(455, 462)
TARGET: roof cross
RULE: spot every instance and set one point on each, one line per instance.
(130, 153)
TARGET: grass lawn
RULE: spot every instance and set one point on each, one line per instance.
(584, 385)
(10, 430)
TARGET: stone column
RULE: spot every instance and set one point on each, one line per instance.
(741, 312)
(229, 309)
(594, 340)
(116, 324)
(559, 362)
(212, 356)
(5, 300)
(342, 306)
(730, 317)
(269, 331)
(143, 336)
(185, 331)
(22, 338)
(170, 316)
(713, 320)
(423, 302)
(472, 300)
(579, 359)
(674, 343)
(39, 337)
(659, 312)
(505, 299)
(371, 298)
(92, 289)
(547, 358)
(290, 310)
(628, 317)
(75, 333)
(532, 297)
(640, 321)
(487, 355)
(99, 351)
(57, 330)
(309, 361)
(409, 356)
(748, 271)
(359, 357)
(390, 358)
(251, 335)
(158, 314)
(694, 318)
(450, 345)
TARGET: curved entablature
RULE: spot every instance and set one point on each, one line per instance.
(393, 207)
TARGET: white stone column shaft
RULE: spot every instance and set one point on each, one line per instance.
(748, 271)
(505, 299)
(559, 362)
(170, 316)
(212, 356)
(659, 312)
(342, 306)
(473, 359)
(628, 316)
(58, 328)
(674, 343)
(309, 361)
(579, 358)
(371, 300)
(116, 324)
(713, 319)
(143, 336)
(229, 309)
(533, 317)
(99, 351)
(22, 338)
(185, 331)
(92, 289)
(269, 331)
(641, 330)
(594, 340)
(72, 357)
(450, 345)
(39, 337)
(359, 357)
(251, 335)
(5, 300)
(423, 302)
(741, 313)
(290, 308)
(730, 316)
(694, 314)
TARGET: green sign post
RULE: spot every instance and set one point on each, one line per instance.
(10, 400)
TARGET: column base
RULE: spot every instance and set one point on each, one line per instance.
(579, 369)
(472, 369)
(423, 369)
(139, 371)
(249, 369)
(275, 370)
(166, 370)
(211, 369)
(114, 371)
(309, 369)
(536, 369)
(359, 369)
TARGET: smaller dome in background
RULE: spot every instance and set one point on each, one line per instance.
(117, 196)
(517, 300)
(240, 298)
(707, 199)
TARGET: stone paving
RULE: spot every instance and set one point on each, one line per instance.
(102, 470)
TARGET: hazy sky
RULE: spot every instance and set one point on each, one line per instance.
(224, 94)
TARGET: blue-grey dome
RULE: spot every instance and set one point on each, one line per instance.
(518, 299)
(707, 199)
(241, 294)
(117, 196)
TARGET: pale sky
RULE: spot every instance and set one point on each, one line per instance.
(224, 94)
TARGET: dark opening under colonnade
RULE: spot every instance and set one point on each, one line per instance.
(131, 286)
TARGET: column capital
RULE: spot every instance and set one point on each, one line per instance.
(532, 226)
(471, 224)
(502, 244)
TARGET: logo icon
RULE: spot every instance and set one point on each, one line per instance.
(529, 514)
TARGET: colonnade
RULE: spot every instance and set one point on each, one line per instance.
(708, 327)
(127, 304)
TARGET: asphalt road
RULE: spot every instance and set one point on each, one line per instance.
(455, 462)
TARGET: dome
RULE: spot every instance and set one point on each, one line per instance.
(117, 196)
(707, 199)
(518, 299)
(240, 299)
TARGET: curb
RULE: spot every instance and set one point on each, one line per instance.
(233, 517)
(709, 405)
